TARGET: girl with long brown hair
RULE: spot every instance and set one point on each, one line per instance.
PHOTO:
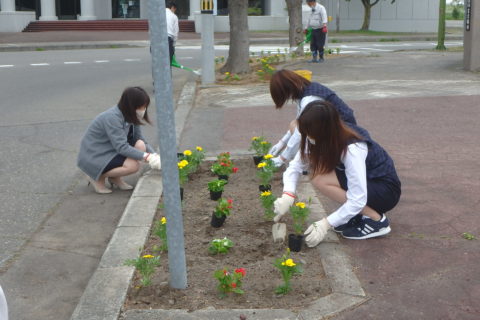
(347, 166)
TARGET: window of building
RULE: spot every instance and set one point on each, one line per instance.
(126, 9)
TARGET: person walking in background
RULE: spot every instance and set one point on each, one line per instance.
(172, 27)
(318, 22)
(113, 145)
(347, 166)
(287, 85)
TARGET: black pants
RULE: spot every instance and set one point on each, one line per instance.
(171, 48)
(318, 42)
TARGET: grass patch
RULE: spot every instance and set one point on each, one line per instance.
(39, 49)
(388, 39)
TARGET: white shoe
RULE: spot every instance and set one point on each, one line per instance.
(98, 189)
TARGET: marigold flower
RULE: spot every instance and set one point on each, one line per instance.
(148, 256)
(267, 156)
(263, 142)
(227, 73)
(163, 220)
(254, 138)
(182, 164)
(241, 270)
(187, 152)
(289, 263)
(265, 193)
(261, 164)
(199, 148)
(300, 204)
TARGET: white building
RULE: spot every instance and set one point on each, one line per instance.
(402, 16)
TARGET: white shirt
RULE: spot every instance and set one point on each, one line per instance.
(318, 17)
(356, 172)
(172, 24)
(293, 143)
(3, 306)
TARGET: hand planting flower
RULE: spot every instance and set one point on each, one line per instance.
(288, 268)
(160, 230)
(300, 214)
(229, 282)
(267, 199)
(223, 207)
(220, 245)
(146, 267)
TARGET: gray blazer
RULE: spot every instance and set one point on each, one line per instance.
(106, 137)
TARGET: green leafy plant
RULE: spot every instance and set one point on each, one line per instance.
(300, 213)
(468, 236)
(223, 207)
(266, 170)
(160, 230)
(146, 267)
(260, 146)
(267, 199)
(194, 158)
(216, 185)
(288, 268)
(227, 76)
(220, 245)
(229, 282)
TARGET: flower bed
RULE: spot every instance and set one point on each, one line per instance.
(253, 250)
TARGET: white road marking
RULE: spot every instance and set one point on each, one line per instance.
(73, 62)
(101, 61)
(130, 60)
(39, 64)
(6, 65)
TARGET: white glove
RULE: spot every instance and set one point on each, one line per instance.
(277, 162)
(282, 205)
(154, 161)
(275, 150)
(316, 232)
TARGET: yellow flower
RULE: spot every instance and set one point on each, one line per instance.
(289, 263)
(254, 138)
(261, 164)
(227, 73)
(263, 142)
(300, 204)
(187, 152)
(148, 256)
(163, 220)
(265, 193)
(182, 164)
(199, 148)
(268, 156)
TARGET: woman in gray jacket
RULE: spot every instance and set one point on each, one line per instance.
(113, 145)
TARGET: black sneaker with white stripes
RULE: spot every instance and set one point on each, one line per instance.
(350, 224)
(368, 228)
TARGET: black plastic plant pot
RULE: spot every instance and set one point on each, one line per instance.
(295, 242)
(181, 193)
(223, 177)
(215, 195)
(257, 159)
(216, 221)
(179, 155)
(264, 188)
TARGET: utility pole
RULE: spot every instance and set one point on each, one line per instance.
(337, 18)
(167, 140)
(207, 8)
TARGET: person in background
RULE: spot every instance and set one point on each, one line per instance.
(347, 166)
(172, 27)
(287, 85)
(113, 145)
(318, 22)
(3, 306)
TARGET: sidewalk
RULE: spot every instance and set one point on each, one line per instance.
(61, 40)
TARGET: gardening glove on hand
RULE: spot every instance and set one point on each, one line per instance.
(153, 160)
(277, 162)
(316, 232)
(275, 150)
(282, 205)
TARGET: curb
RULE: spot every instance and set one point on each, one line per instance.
(106, 291)
(44, 46)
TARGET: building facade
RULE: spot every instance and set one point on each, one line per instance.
(401, 16)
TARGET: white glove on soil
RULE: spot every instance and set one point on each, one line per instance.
(316, 232)
(282, 205)
(154, 161)
(277, 162)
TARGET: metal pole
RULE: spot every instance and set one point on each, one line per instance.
(337, 18)
(167, 140)
(208, 50)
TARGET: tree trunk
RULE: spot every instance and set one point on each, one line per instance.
(238, 53)
(295, 30)
(441, 26)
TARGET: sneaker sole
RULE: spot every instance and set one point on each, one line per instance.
(380, 233)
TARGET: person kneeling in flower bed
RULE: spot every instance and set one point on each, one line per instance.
(229, 282)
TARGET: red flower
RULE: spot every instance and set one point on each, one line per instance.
(230, 201)
(235, 170)
(225, 272)
(241, 270)
(234, 285)
(223, 164)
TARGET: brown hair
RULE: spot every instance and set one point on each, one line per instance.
(133, 98)
(320, 121)
(286, 85)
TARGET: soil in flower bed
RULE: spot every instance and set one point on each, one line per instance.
(253, 250)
